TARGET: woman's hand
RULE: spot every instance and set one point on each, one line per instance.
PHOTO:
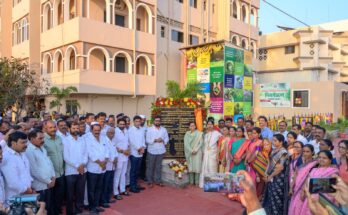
(248, 197)
(314, 205)
(341, 194)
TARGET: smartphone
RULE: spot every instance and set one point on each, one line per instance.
(223, 183)
(322, 185)
(329, 205)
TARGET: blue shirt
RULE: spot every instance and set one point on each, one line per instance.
(267, 133)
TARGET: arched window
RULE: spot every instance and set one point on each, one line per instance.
(18, 33)
(235, 40)
(123, 13)
(144, 18)
(58, 12)
(72, 9)
(252, 48)
(47, 64)
(245, 44)
(58, 61)
(235, 10)
(122, 62)
(253, 17)
(47, 17)
(98, 59)
(70, 58)
(25, 30)
(143, 65)
(244, 14)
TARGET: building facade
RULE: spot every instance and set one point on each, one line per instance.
(118, 53)
(313, 61)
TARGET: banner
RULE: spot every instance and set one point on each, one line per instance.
(275, 95)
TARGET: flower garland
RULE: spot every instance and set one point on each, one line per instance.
(179, 167)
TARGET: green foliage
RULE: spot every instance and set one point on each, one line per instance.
(192, 90)
(61, 94)
(19, 86)
(341, 125)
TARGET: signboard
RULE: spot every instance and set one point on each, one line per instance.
(275, 95)
(176, 121)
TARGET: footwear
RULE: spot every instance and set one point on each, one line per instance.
(86, 207)
(99, 209)
(150, 185)
(105, 205)
(125, 193)
(134, 190)
(118, 197)
(94, 211)
(160, 184)
(112, 201)
(141, 188)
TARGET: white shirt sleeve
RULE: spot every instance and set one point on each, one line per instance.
(166, 138)
(150, 138)
(36, 169)
(11, 174)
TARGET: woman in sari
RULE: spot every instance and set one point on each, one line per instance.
(210, 152)
(275, 199)
(233, 131)
(295, 158)
(238, 151)
(222, 147)
(193, 142)
(252, 152)
(291, 139)
(343, 160)
(299, 178)
(324, 169)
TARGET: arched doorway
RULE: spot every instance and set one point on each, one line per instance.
(144, 18)
(47, 64)
(143, 65)
(98, 59)
(58, 61)
(122, 62)
(70, 58)
(122, 13)
(47, 17)
(98, 10)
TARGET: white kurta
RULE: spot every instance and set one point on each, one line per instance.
(210, 163)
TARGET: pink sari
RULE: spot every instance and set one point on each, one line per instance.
(297, 206)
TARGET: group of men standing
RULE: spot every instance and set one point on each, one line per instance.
(83, 160)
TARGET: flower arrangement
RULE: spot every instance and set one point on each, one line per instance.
(186, 102)
(179, 167)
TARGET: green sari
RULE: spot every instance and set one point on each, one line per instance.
(236, 145)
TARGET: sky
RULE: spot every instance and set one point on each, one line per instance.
(312, 12)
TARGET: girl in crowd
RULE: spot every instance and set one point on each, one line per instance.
(275, 199)
(324, 169)
(193, 144)
(302, 170)
(343, 160)
(292, 136)
(223, 147)
(210, 164)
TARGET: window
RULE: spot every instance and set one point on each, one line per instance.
(163, 31)
(177, 36)
(193, 40)
(120, 64)
(71, 107)
(234, 10)
(138, 24)
(193, 3)
(180, 1)
(289, 49)
(300, 98)
(119, 20)
(213, 8)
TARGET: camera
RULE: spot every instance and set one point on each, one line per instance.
(19, 203)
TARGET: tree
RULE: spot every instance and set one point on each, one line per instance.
(61, 94)
(19, 87)
(192, 90)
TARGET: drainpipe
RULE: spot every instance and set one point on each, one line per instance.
(134, 53)
(208, 21)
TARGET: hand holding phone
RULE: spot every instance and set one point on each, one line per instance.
(322, 185)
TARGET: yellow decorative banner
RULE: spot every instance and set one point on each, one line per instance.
(229, 108)
(203, 60)
(248, 83)
(248, 57)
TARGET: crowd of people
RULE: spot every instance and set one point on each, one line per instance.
(279, 163)
(86, 162)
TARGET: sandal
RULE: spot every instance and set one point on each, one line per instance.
(125, 193)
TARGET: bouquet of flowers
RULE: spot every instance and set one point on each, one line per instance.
(179, 167)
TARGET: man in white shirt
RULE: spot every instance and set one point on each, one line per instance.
(98, 156)
(75, 158)
(137, 146)
(297, 129)
(15, 166)
(156, 139)
(62, 130)
(101, 119)
(282, 129)
(319, 135)
(108, 183)
(122, 146)
(89, 120)
(41, 168)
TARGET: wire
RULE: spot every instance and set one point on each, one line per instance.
(289, 15)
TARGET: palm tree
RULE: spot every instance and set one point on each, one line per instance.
(61, 94)
(192, 90)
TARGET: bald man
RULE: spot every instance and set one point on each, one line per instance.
(54, 147)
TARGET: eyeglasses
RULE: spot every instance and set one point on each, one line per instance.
(342, 147)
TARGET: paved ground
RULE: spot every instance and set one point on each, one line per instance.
(173, 201)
